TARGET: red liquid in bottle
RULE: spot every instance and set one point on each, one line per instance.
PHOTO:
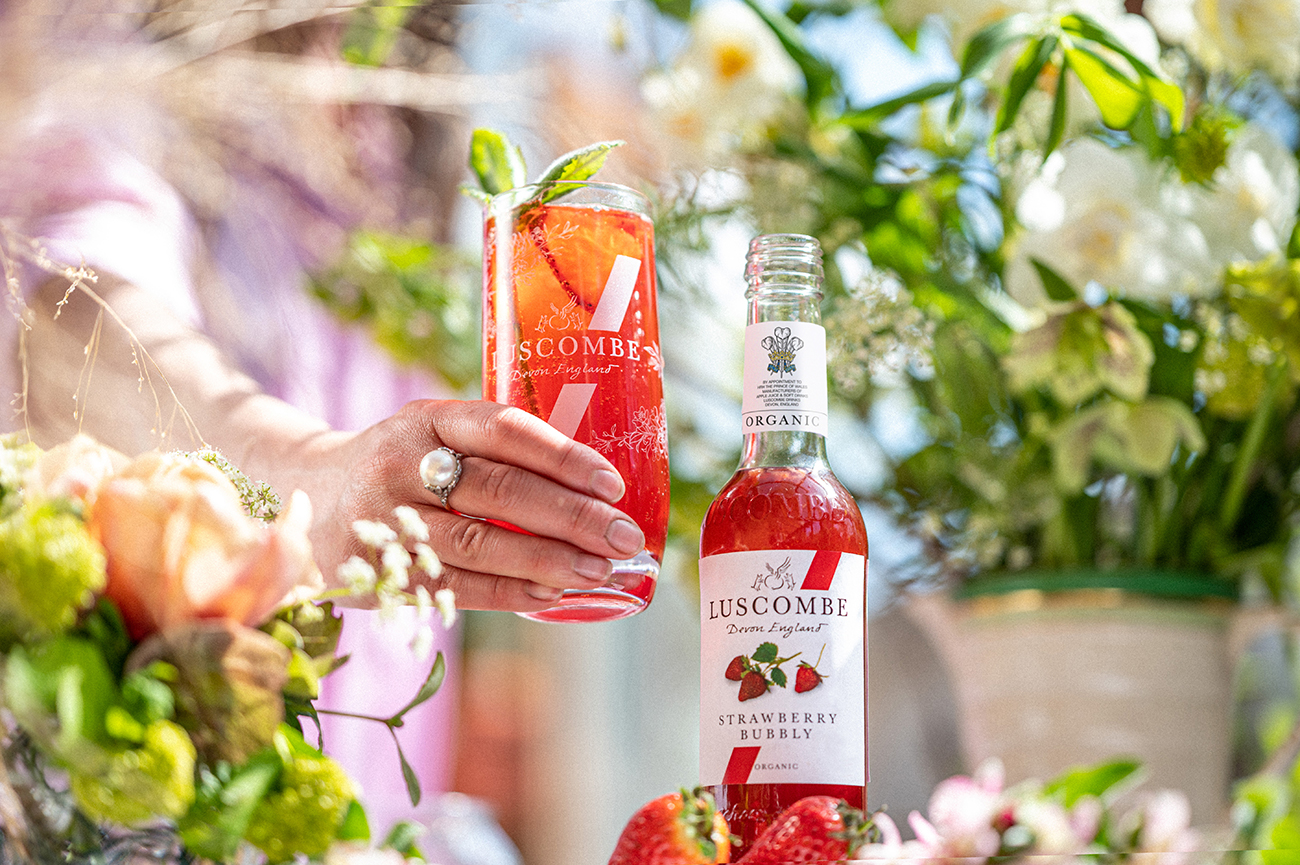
(774, 508)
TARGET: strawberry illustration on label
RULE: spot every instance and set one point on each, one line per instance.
(760, 671)
(808, 676)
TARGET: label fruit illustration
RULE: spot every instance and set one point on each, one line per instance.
(808, 676)
(759, 671)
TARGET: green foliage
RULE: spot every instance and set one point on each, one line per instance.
(373, 30)
(50, 570)
(417, 299)
(306, 805)
(139, 784)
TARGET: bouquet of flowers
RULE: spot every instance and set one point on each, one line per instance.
(1069, 253)
(164, 631)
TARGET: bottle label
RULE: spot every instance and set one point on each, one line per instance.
(785, 377)
(783, 668)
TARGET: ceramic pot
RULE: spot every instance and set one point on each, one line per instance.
(1049, 680)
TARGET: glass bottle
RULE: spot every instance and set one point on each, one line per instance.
(783, 567)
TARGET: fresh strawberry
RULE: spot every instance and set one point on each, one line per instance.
(814, 829)
(806, 678)
(736, 669)
(682, 828)
(754, 684)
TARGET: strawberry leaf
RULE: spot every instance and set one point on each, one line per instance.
(579, 164)
(498, 164)
(765, 653)
(778, 677)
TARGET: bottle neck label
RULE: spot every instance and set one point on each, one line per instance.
(783, 668)
(785, 377)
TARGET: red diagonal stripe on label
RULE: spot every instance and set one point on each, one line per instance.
(740, 765)
(822, 571)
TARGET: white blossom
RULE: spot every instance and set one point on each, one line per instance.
(1234, 35)
(427, 560)
(731, 78)
(408, 519)
(1107, 215)
(396, 566)
(358, 575)
(374, 534)
(446, 601)
(1250, 210)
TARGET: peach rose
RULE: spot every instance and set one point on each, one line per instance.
(180, 547)
(73, 469)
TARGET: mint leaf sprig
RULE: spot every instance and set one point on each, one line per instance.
(499, 166)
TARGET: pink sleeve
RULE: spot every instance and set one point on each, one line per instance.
(93, 202)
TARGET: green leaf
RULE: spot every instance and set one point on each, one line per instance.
(355, 825)
(1060, 108)
(1075, 784)
(119, 724)
(1155, 85)
(580, 164)
(679, 9)
(765, 653)
(1055, 285)
(403, 837)
(1023, 77)
(432, 683)
(867, 118)
(214, 825)
(778, 677)
(498, 164)
(819, 75)
(408, 774)
(1117, 98)
(373, 29)
(985, 46)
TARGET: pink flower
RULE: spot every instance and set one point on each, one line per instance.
(1166, 836)
(962, 811)
(180, 547)
(892, 848)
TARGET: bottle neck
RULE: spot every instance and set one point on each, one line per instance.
(784, 355)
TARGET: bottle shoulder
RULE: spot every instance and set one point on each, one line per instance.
(783, 507)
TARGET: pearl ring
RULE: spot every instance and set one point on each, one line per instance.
(440, 472)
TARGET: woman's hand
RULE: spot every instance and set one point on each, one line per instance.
(516, 469)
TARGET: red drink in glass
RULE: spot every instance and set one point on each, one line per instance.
(571, 334)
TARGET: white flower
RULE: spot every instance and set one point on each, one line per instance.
(408, 518)
(1234, 35)
(374, 534)
(1106, 215)
(427, 560)
(446, 601)
(1250, 211)
(357, 853)
(358, 575)
(731, 78)
(421, 643)
(396, 565)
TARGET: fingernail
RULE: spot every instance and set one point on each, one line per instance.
(538, 592)
(625, 537)
(608, 485)
(593, 568)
